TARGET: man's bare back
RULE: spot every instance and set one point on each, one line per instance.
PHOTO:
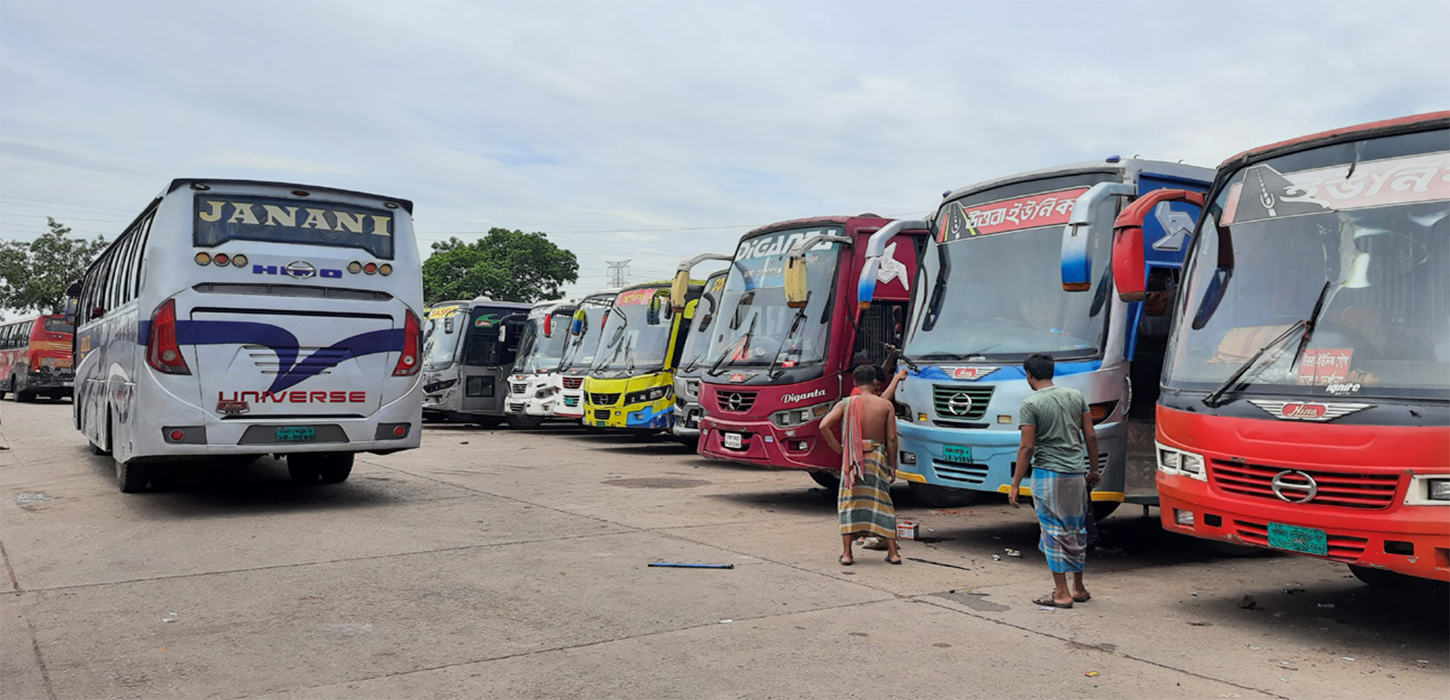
(876, 414)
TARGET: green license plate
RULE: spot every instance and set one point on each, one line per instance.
(1298, 539)
(956, 453)
(296, 434)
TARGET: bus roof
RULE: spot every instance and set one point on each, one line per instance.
(178, 183)
(1386, 127)
(814, 221)
(1123, 165)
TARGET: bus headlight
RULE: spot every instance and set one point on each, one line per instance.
(1440, 490)
(1181, 462)
(648, 395)
(1431, 490)
(792, 417)
(544, 393)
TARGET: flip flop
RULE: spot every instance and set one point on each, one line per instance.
(1083, 599)
(843, 561)
(1047, 601)
(897, 562)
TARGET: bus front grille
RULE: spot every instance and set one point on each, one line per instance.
(604, 399)
(960, 403)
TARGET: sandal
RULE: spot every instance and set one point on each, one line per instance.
(1047, 602)
(1086, 597)
(843, 561)
(897, 562)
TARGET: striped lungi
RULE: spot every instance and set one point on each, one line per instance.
(1061, 501)
(866, 506)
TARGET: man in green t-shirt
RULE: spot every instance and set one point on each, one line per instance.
(1057, 438)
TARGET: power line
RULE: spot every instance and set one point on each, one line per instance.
(618, 272)
(71, 205)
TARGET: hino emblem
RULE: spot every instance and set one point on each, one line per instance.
(1309, 410)
(1294, 481)
(733, 400)
(959, 404)
(299, 269)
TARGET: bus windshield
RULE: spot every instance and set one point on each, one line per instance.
(754, 327)
(579, 349)
(1349, 243)
(444, 329)
(493, 336)
(629, 342)
(698, 341)
(993, 286)
(539, 352)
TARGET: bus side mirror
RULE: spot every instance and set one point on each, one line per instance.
(704, 322)
(503, 333)
(548, 325)
(578, 323)
(652, 317)
(72, 309)
(1130, 274)
(796, 293)
(1077, 260)
(679, 289)
(448, 326)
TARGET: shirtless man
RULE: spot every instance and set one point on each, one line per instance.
(868, 465)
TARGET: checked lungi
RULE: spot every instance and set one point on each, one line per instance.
(1062, 502)
(865, 505)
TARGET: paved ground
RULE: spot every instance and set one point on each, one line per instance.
(513, 564)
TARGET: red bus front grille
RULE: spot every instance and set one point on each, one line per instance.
(1338, 489)
(573, 382)
(1341, 547)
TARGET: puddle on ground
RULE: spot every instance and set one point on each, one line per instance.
(656, 483)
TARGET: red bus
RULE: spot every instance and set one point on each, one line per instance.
(35, 357)
(1305, 401)
(783, 346)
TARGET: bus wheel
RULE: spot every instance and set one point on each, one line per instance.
(1102, 509)
(1387, 580)
(319, 467)
(336, 467)
(131, 477)
(941, 496)
(524, 422)
(487, 421)
(829, 480)
(24, 396)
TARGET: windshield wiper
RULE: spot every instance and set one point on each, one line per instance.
(629, 355)
(1310, 325)
(795, 324)
(1215, 397)
(902, 356)
(743, 344)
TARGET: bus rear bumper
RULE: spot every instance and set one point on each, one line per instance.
(1415, 541)
(391, 429)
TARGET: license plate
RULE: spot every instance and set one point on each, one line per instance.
(296, 434)
(734, 441)
(1298, 539)
(956, 453)
(571, 400)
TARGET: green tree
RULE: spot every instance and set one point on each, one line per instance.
(504, 265)
(34, 275)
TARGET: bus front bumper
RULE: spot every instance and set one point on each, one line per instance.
(765, 444)
(657, 415)
(982, 460)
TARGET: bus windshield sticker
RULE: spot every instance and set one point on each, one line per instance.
(442, 312)
(222, 218)
(635, 297)
(1325, 367)
(1033, 211)
(1417, 178)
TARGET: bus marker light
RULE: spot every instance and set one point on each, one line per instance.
(221, 259)
(239, 260)
(177, 435)
(354, 267)
(301, 193)
(400, 431)
(203, 258)
(386, 269)
(371, 268)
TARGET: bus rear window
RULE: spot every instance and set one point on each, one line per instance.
(59, 325)
(222, 218)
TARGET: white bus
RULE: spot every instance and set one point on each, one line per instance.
(535, 385)
(241, 318)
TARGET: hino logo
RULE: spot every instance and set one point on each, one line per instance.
(1297, 482)
(297, 269)
(959, 404)
(793, 398)
(1309, 410)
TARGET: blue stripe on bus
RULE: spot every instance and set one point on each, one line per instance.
(1008, 372)
(284, 344)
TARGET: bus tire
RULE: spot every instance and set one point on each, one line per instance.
(935, 496)
(1102, 509)
(335, 467)
(1387, 580)
(487, 421)
(131, 477)
(827, 480)
(24, 396)
(524, 422)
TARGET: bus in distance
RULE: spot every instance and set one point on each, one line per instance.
(585, 330)
(35, 357)
(632, 383)
(784, 343)
(469, 350)
(1019, 265)
(687, 379)
(533, 391)
(245, 318)
(1306, 393)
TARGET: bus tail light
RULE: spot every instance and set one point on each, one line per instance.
(203, 258)
(221, 259)
(239, 260)
(408, 361)
(354, 267)
(371, 268)
(385, 269)
(162, 351)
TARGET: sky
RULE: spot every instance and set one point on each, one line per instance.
(656, 131)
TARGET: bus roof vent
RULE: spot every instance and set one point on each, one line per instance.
(482, 297)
